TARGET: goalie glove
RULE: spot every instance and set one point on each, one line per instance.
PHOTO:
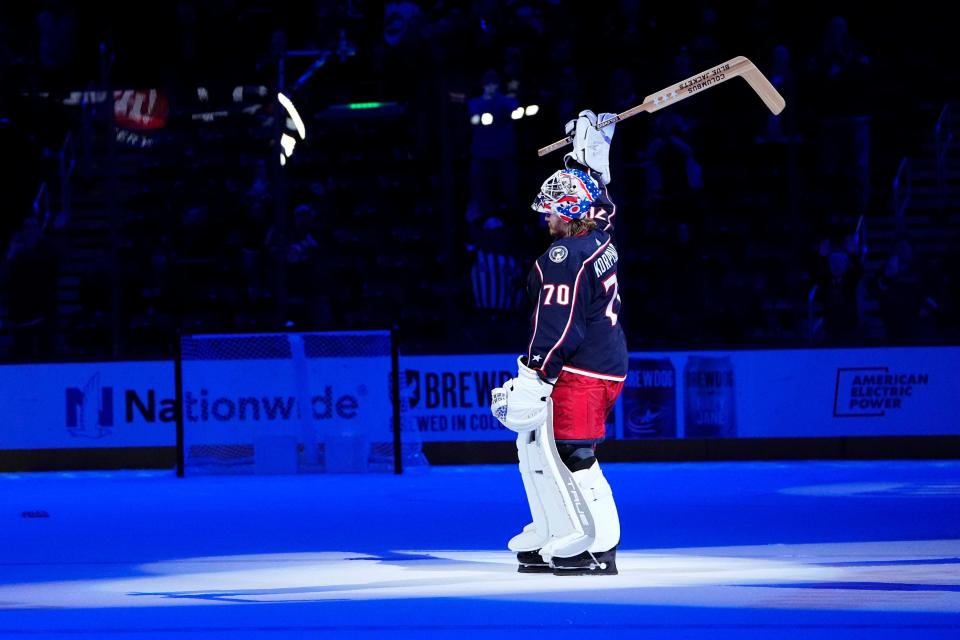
(521, 403)
(591, 147)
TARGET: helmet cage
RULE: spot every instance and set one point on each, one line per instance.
(569, 193)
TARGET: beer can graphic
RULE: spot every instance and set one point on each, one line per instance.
(650, 399)
(708, 398)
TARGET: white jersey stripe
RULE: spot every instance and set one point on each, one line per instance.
(613, 206)
(592, 374)
(536, 317)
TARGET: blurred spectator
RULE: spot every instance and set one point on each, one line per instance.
(675, 177)
(564, 90)
(528, 20)
(399, 20)
(493, 151)
(682, 64)
(8, 53)
(188, 32)
(841, 57)
(300, 243)
(57, 26)
(704, 44)
(840, 71)
(496, 275)
(906, 309)
(253, 266)
(949, 290)
(839, 278)
(32, 286)
(623, 93)
(515, 72)
(306, 293)
(781, 127)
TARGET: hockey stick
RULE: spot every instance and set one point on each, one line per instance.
(738, 66)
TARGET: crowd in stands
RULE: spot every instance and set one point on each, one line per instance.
(735, 227)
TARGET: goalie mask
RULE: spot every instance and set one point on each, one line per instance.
(569, 193)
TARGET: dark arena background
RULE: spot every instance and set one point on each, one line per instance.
(261, 264)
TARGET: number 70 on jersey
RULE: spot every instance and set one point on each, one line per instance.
(560, 295)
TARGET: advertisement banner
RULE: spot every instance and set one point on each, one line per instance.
(649, 398)
(62, 406)
(797, 393)
(447, 398)
(733, 394)
(236, 401)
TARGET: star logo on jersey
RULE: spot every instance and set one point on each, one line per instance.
(558, 254)
(537, 358)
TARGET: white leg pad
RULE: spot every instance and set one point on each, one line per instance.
(570, 521)
(599, 496)
(537, 533)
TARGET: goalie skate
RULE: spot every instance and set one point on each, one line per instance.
(603, 563)
(531, 562)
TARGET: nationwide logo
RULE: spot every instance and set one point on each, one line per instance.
(90, 410)
(870, 392)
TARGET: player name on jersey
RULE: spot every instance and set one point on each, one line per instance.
(603, 263)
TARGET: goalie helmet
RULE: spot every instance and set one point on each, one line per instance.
(569, 193)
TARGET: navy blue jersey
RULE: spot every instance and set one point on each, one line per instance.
(575, 326)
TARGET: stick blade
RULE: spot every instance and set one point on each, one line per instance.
(767, 92)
